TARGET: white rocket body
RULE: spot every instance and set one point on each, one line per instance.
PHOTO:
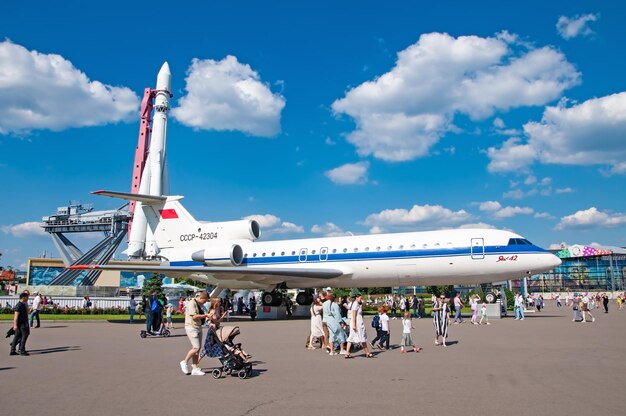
(155, 179)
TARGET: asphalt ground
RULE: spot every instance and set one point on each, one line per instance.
(543, 365)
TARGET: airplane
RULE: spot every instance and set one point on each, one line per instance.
(227, 255)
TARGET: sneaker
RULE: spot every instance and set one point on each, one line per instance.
(372, 344)
(593, 319)
(24, 353)
(343, 352)
(197, 372)
(184, 367)
(13, 353)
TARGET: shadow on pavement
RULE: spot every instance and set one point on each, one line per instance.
(54, 349)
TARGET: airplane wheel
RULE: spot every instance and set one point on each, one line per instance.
(271, 299)
(304, 298)
(217, 373)
(242, 374)
(143, 334)
(491, 297)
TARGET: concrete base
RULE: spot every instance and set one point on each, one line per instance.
(493, 311)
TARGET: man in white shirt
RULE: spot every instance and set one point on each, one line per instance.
(35, 310)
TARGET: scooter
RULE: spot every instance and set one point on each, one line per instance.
(163, 332)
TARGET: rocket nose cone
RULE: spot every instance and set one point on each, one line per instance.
(164, 78)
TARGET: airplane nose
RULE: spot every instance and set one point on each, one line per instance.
(554, 261)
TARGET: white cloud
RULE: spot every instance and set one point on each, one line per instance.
(584, 134)
(591, 218)
(425, 215)
(571, 27)
(564, 190)
(543, 215)
(228, 95)
(350, 173)
(271, 224)
(377, 230)
(25, 229)
(401, 114)
(329, 230)
(46, 91)
(478, 225)
(558, 246)
(499, 212)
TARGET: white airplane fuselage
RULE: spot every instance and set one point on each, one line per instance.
(228, 254)
(447, 257)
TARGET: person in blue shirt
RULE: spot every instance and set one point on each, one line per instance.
(156, 309)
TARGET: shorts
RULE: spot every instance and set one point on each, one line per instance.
(195, 336)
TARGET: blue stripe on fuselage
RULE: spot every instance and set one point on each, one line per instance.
(379, 255)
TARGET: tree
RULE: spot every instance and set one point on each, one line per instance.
(438, 290)
(154, 283)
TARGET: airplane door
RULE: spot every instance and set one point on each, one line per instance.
(323, 253)
(303, 255)
(478, 248)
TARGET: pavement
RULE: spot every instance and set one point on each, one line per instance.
(545, 364)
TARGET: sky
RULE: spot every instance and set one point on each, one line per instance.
(323, 118)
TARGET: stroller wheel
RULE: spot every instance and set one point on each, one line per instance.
(242, 374)
(143, 334)
(166, 333)
(217, 373)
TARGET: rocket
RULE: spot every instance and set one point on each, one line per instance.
(155, 177)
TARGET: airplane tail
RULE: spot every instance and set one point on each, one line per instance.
(171, 224)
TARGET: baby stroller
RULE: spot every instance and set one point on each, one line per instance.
(219, 344)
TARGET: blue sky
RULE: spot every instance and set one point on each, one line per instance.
(323, 119)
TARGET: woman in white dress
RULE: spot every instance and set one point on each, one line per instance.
(317, 329)
(357, 327)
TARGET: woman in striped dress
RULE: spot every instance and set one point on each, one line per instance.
(441, 319)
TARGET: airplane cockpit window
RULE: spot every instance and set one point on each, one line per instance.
(519, 242)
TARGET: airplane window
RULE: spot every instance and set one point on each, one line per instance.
(245, 255)
(282, 253)
(356, 249)
(254, 255)
(313, 252)
(401, 247)
(378, 248)
(263, 254)
(367, 249)
(424, 245)
(345, 250)
(334, 250)
(412, 245)
(527, 242)
(293, 253)
(436, 244)
(512, 242)
(389, 248)
(273, 253)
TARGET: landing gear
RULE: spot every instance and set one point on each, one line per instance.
(272, 298)
(491, 296)
(304, 297)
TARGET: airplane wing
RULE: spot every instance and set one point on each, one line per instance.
(223, 273)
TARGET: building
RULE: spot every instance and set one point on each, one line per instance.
(584, 268)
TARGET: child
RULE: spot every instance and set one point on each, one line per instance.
(407, 340)
(483, 315)
(168, 316)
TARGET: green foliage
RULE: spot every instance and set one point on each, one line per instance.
(154, 283)
(438, 290)
(510, 298)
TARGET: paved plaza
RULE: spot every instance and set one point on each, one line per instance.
(543, 365)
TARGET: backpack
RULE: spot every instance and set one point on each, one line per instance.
(376, 321)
